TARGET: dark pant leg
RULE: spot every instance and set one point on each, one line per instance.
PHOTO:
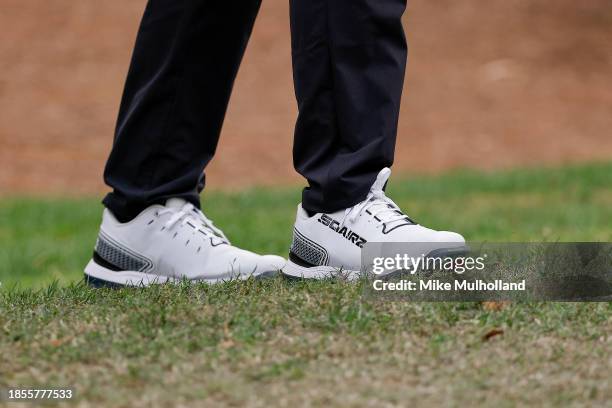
(349, 58)
(185, 60)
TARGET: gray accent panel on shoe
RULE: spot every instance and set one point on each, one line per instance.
(120, 256)
(308, 250)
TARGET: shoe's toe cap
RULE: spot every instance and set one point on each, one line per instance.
(268, 266)
(450, 237)
(274, 262)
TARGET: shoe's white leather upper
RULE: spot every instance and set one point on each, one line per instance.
(180, 242)
(376, 219)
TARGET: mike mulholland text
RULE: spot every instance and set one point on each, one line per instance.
(436, 285)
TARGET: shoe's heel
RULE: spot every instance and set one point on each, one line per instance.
(308, 260)
(115, 265)
(100, 276)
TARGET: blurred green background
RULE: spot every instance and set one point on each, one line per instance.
(44, 240)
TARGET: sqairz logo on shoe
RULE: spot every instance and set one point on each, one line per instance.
(344, 231)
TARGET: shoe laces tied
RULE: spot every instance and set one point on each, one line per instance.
(377, 204)
(190, 215)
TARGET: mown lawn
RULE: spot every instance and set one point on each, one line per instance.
(279, 343)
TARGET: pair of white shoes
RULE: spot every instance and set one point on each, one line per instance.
(176, 242)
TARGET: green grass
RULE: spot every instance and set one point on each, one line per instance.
(278, 343)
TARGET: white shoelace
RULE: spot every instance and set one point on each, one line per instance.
(190, 215)
(379, 206)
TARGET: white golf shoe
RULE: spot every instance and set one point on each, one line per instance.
(170, 243)
(329, 245)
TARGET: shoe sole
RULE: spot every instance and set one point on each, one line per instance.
(293, 271)
(98, 276)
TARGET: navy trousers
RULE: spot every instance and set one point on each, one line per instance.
(349, 58)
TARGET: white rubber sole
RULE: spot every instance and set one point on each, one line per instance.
(101, 276)
(295, 271)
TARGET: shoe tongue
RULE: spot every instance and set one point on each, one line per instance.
(390, 212)
(381, 179)
(378, 185)
(177, 203)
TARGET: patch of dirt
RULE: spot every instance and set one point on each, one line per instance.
(490, 85)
